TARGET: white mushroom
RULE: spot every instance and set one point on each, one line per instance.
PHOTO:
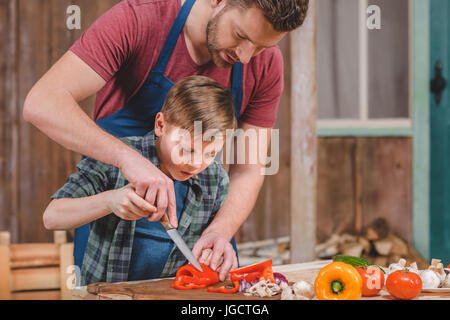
(303, 289)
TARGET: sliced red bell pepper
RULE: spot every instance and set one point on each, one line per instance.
(254, 271)
(188, 277)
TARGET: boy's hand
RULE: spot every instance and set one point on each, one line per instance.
(126, 204)
(223, 257)
(150, 184)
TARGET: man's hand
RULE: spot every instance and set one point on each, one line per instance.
(152, 185)
(222, 250)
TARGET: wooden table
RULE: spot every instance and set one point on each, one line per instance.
(294, 272)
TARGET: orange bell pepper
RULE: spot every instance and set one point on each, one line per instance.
(188, 277)
(338, 281)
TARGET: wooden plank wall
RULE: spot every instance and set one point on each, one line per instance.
(33, 35)
(32, 167)
(372, 176)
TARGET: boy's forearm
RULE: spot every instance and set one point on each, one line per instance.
(69, 213)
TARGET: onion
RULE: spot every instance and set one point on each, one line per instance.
(279, 278)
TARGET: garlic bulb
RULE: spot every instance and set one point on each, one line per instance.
(287, 294)
(400, 265)
(430, 279)
(413, 268)
(303, 288)
(300, 290)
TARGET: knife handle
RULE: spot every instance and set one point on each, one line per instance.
(165, 222)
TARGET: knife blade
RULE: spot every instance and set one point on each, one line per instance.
(179, 242)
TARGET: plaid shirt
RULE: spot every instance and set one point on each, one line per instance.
(108, 251)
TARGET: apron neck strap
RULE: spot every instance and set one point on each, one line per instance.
(174, 33)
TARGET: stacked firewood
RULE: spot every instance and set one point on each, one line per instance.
(258, 251)
(377, 244)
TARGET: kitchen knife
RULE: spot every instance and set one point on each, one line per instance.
(179, 242)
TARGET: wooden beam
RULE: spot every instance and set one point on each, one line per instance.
(303, 139)
(35, 279)
(5, 270)
(66, 260)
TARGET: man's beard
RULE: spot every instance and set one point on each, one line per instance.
(211, 42)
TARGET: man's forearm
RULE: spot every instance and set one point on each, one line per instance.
(59, 116)
(52, 106)
(245, 184)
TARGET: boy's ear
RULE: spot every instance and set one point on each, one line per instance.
(160, 124)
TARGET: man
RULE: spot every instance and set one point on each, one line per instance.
(132, 55)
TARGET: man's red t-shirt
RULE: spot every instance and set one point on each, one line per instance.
(123, 45)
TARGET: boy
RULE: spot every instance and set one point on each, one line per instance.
(125, 243)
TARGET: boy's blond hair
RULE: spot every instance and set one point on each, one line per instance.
(199, 98)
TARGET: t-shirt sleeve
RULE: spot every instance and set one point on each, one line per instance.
(90, 178)
(107, 44)
(262, 107)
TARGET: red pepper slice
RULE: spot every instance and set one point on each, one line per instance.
(224, 289)
(251, 272)
(188, 277)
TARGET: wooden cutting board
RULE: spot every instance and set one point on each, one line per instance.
(161, 290)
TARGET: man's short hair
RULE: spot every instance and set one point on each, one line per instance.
(284, 15)
(199, 98)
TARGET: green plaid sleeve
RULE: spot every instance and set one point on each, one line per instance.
(222, 190)
(90, 178)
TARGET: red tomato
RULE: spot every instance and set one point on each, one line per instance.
(372, 280)
(403, 284)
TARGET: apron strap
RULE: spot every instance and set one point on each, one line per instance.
(172, 38)
(236, 88)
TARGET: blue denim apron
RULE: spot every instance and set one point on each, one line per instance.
(137, 117)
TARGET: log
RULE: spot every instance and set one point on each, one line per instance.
(353, 249)
(365, 244)
(381, 261)
(334, 240)
(329, 252)
(347, 238)
(399, 247)
(383, 247)
(371, 234)
(380, 228)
